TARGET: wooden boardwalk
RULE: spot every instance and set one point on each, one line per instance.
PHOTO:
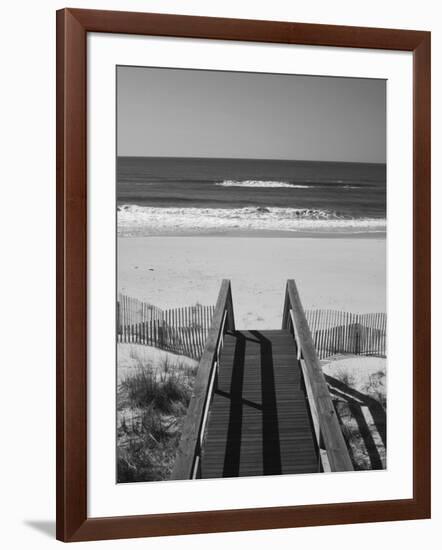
(259, 421)
(260, 403)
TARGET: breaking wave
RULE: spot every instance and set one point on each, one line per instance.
(309, 184)
(259, 183)
(134, 220)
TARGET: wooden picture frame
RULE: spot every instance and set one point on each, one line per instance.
(73, 523)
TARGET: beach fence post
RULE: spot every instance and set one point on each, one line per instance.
(180, 330)
(335, 332)
(358, 336)
(160, 334)
(118, 319)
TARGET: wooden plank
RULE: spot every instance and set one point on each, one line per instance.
(279, 403)
(314, 329)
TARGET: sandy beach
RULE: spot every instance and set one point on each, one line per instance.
(342, 273)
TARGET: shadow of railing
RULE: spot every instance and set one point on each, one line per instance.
(270, 426)
(356, 400)
(233, 443)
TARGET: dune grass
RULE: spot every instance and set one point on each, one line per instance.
(160, 391)
(151, 406)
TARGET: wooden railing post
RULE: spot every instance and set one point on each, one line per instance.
(229, 309)
(324, 411)
(187, 461)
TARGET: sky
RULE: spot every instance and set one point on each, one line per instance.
(192, 113)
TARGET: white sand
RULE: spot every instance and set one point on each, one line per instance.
(338, 273)
(132, 357)
(363, 374)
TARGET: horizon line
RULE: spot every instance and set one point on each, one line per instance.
(251, 158)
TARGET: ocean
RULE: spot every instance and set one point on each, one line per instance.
(173, 196)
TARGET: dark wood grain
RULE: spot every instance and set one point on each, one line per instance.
(72, 521)
(422, 276)
(71, 276)
(251, 30)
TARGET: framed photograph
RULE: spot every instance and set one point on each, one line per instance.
(243, 274)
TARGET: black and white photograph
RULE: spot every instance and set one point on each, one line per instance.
(251, 274)
(221, 274)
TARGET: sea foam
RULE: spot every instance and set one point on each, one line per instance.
(260, 183)
(136, 220)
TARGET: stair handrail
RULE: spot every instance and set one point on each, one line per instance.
(188, 456)
(326, 424)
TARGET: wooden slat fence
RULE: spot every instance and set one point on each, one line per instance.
(336, 332)
(131, 311)
(181, 330)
